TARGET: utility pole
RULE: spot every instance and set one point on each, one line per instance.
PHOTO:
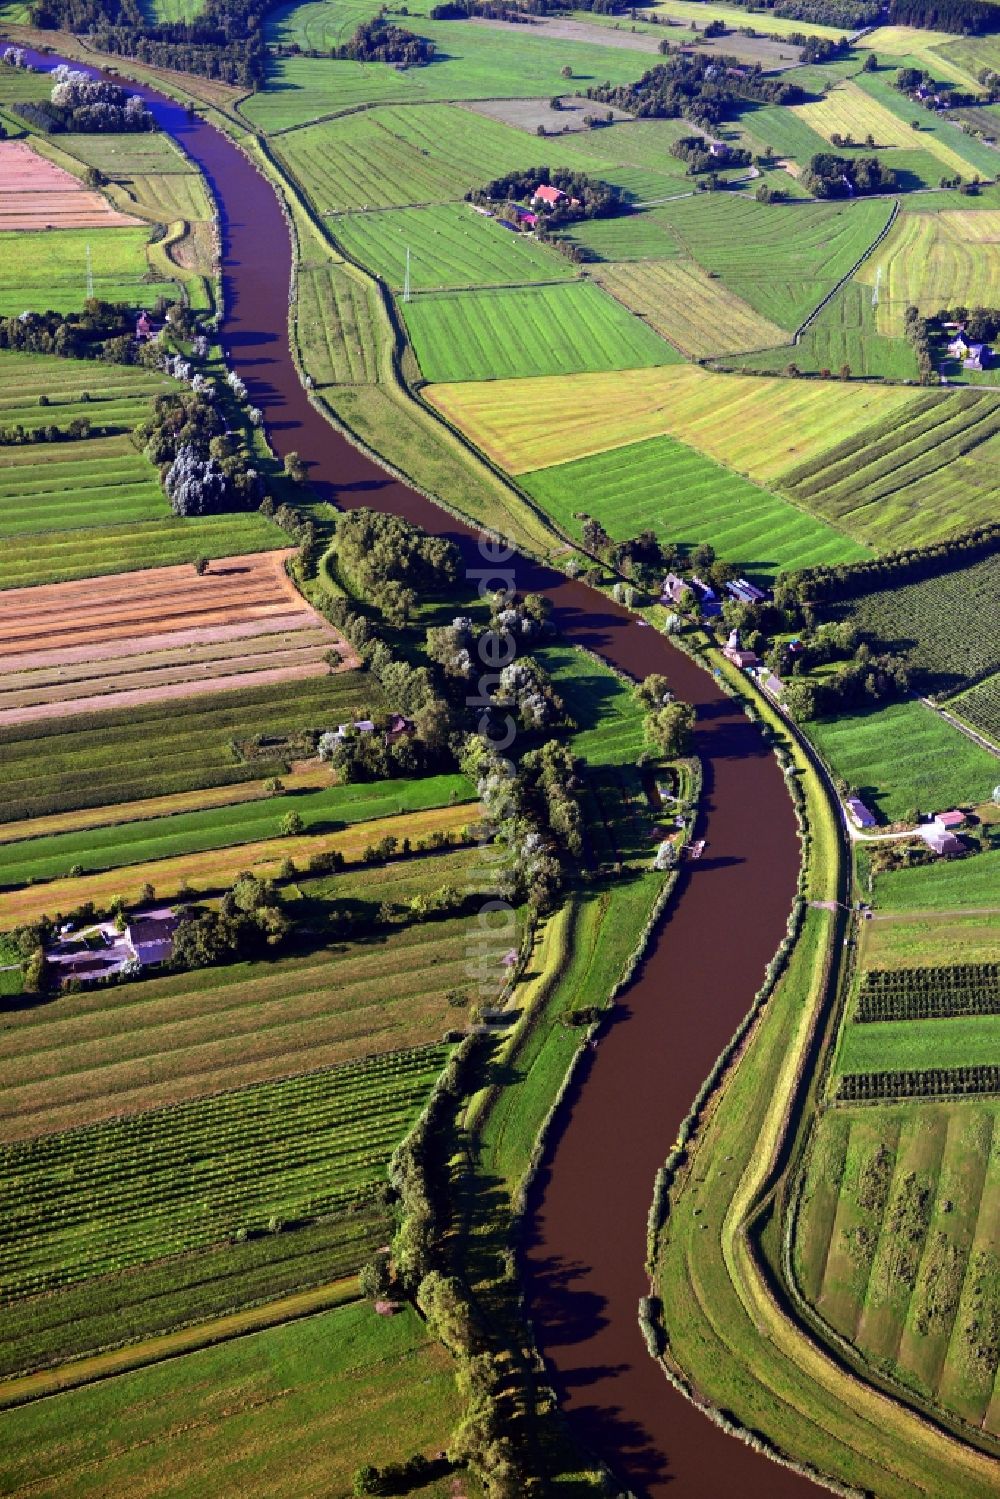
(875, 288)
(406, 282)
(90, 276)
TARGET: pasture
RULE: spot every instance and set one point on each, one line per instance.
(96, 482)
(523, 331)
(938, 51)
(850, 111)
(904, 757)
(947, 886)
(935, 132)
(645, 235)
(980, 707)
(941, 623)
(667, 487)
(758, 427)
(336, 320)
(844, 333)
(450, 246)
(303, 1405)
(317, 24)
(122, 640)
(391, 157)
(108, 1053)
(322, 809)
(168, 196)
(782, 258)
(210, 871)
(101, 760)
(893, 940)
(699, 315)
(935, 260)
(131, 154)
(36, 274)
(893, 1243)
(698, 12)
(106, 1197)
(916, 476)
(899, 1045)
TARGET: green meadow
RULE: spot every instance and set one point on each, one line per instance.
(947, 886)
(665, 486)
(39, 275)
(522, 331)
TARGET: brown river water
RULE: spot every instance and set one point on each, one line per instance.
(586, 1246)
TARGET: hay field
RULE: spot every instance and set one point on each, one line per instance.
(450, 246)
(849, 111)
(118, 641)
(525, 331)
(696, 312)
(39, 195)
(698, 12)
(934, 260)
(169, 196)
(937, 51)
(761, 427)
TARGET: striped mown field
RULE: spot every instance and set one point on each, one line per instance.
(336, 324)
(849, 111)
(935, 260)
(697, 312)
(761, 427)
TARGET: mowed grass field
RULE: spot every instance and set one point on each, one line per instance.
(519, 332)
(844, 333)
(686, 498)
(905, 757)
(337, 324)
(781, 258)
(935, 132)
(210, 871)
(36, 276)
(698, 314)
(929, 938)
(917, 475)
(948, 885)
(895, 1244)
(761, 427)
(322, 809)
(431, 153)
(450, 246)
(289, 1413)
(106, 1053)
(103, 760)
(848, 110)
(935, 260)
(97, 482)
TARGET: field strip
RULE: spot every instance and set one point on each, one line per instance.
(37, 194)
(157, 806)
(849, 111)
(760, 427)
(696, 312)
(188, 1340)
(159, 649)
(204, 872)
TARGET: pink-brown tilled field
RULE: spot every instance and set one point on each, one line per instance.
(36, 194)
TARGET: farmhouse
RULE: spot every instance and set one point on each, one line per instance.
(150, 935)
(859, 813)
(739, 657)
(977, 358)
(550, 195)
(673, 587)
(943, 843)
(949, 820)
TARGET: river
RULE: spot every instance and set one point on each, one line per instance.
(702, 968)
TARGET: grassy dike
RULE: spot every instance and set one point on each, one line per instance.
(720, 1321)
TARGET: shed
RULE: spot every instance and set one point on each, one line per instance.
(948, 820)
(859, 813)
(941, 841)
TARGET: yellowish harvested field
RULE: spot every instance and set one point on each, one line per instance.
(695, 311)
(166, 196)
(924, 46)
(213, 869)
(761, 427)
(848, 111)
(935, 260)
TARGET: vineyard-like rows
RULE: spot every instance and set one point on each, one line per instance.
(524, 331)
(981, 707)
(943, 622)
(927, 1082)
(100, 1199)
(450, 246)
(336, 325)
(667, 487)
(929, 993)
(104, 758)
(695, 311)
(912, 479)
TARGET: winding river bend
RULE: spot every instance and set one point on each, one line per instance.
(702, 967)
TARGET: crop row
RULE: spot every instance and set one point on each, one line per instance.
(926, 993)
(928, 1082)
(981, 707)
(126, 1192)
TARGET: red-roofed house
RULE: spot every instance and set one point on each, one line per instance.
(549, 195)
(948, 820)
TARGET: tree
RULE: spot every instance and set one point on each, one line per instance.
(871, 63)
(201, 565)
(291, 825)
(566, 72)
(295, 469)
(702, 557)
(654, 692)
(668, 729)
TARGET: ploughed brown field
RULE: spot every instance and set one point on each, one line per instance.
(165, 632)
(36, 194)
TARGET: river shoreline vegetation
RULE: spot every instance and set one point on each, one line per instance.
(671, 297)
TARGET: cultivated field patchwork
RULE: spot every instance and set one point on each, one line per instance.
(39, 195)
(113, 642)
(935, 260)
(698, 314)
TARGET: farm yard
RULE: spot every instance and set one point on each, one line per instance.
(697, 314)
(523, 331)
(758, 427)
(670, 488)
